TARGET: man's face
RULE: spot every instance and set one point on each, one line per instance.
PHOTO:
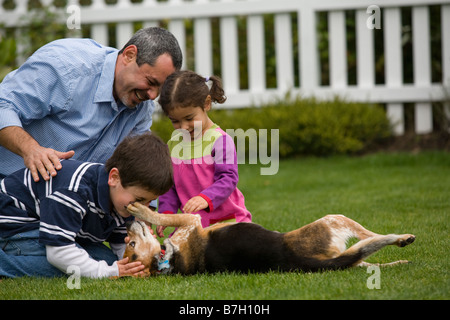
(134, 84)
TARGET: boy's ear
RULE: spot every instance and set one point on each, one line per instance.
(114, 177)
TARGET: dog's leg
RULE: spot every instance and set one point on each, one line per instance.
(170, 220)
(342, 224)
(366, 247)
(340, 230)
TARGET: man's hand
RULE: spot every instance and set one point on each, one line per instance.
(36, 158)
(130, 269)
(44, 161)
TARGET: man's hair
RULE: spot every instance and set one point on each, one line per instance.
(151, 43)
(143, 161)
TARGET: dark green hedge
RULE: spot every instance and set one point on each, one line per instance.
(306, 126)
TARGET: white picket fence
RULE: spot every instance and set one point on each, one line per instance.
(393, 92)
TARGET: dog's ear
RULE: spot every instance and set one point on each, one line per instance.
(153, 266)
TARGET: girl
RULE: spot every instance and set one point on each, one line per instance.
(203, 155)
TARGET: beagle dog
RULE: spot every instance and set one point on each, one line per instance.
(320, 245)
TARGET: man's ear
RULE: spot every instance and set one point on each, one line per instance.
(114, 177)
(129, 54)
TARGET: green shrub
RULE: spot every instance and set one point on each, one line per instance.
(306, 126)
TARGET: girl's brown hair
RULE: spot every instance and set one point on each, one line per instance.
(188, 89)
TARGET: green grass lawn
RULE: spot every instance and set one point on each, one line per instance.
(387, 193)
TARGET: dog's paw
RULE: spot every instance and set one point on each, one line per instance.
(135, 209)
(405, 239)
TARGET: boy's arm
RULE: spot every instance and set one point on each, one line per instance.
(70, 255)
(64, 256)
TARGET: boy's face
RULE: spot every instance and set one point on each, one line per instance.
(121, 197)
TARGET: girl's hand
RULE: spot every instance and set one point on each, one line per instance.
(195, 204)
(130, 269)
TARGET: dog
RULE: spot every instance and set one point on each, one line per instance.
(248, 247)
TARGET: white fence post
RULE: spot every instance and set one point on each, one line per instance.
(309, 60)
(393, 65)
(337, 49)
(365, 51)
(445, 36)
(422, 66)
(256, 54)
(229, 54)
(283, 49)
(203, 47)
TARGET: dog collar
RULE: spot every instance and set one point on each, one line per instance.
(163, 263)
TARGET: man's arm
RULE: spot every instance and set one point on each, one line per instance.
(35, 157)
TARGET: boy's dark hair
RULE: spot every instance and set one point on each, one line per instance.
(188, 89)
(143, 161)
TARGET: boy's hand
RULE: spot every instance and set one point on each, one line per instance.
(160, 231)
(195, 204)
(130, 269)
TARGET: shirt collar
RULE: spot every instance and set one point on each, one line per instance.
(104, 91)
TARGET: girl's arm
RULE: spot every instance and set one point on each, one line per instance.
(225, 173)
(169, 202)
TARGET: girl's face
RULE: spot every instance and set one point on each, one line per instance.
(192, 119)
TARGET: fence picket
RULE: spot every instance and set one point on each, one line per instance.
(203, 47)
(99, 32)
(283, 49)
(229, 54)
(124, 31)
(422, 66)
(256, 53)
(179, 31)
(337, 47)
(394, 65)
(445, 36)
(309, 60)
(364, 51)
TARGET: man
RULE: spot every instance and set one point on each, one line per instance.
(77, 98)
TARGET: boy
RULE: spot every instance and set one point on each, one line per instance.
(48, 226)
